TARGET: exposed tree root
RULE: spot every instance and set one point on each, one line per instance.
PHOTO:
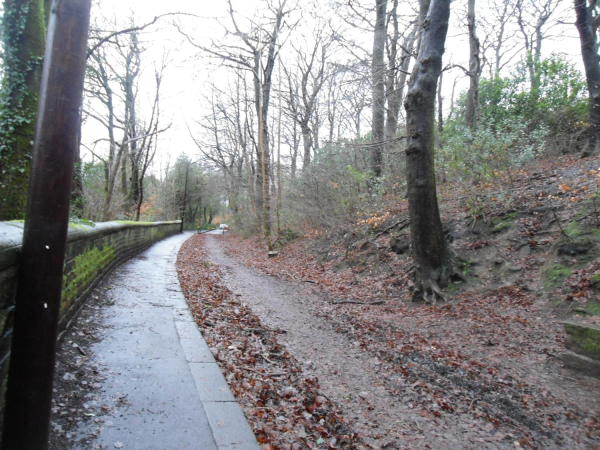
(432, 292)
(427, 287)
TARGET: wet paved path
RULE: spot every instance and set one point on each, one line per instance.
(162, 385)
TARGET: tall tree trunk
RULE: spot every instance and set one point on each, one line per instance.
(591, 61)
(423, 9)
(440, 106)
(307, 142)
(24, 39)
(124, 185)
(294, 150)
(77, 199)
(396, 82)
(378, 89)
(279, 159)
(473, 110)
(431, 254)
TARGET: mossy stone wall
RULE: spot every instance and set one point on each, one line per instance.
(583, 339)
(92, 252)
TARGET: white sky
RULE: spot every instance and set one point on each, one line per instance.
(186, 78)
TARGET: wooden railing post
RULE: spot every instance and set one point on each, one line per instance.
(29, 390)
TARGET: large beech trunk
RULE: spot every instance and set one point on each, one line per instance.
(591, 61)
(431, 254)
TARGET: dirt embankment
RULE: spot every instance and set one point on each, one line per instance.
(480, 372)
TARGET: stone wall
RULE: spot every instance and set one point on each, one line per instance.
(92, 252)
(582, 342)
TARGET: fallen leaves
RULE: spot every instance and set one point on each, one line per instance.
(284, 408)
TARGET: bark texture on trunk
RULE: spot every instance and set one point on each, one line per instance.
(431, 254)
(396, 82)
(378, 85)
(591, 61)
(473, 110)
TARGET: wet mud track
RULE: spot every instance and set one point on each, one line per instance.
(348, 376)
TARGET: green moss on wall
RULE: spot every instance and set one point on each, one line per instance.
(133, 222)
(85, 269)
(583, 339)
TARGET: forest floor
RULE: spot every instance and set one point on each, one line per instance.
(324, 349)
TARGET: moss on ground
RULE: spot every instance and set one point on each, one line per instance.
(555, 275)
(593, 308)
(503, 223)
(572, 229)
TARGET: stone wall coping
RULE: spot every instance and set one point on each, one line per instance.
(11, 235)
(581, 324)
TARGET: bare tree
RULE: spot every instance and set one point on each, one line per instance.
(257, 54)
(112, 88)
(494, 24)
(100, 88)
(305, 86)
(225, 142)
(534, 19)
(142, 155)
(431, 254)
(378, 75)
(399, 57)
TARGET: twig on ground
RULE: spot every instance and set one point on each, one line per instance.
(560, 226)
(356, 302)
(385, 230)
(268, 374)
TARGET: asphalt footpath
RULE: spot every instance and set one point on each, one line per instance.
(173, 394)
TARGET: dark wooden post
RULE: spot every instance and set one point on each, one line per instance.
(29, 391)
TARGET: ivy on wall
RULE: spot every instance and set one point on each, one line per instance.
(24, 40)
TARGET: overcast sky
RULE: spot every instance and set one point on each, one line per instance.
(187, 77)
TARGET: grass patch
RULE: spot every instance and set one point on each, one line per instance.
(572, 229)
(503, 223)
(593, 308)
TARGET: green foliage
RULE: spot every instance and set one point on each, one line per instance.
(74, 220)
(490, 147)
(466, 267)
(517, 123)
